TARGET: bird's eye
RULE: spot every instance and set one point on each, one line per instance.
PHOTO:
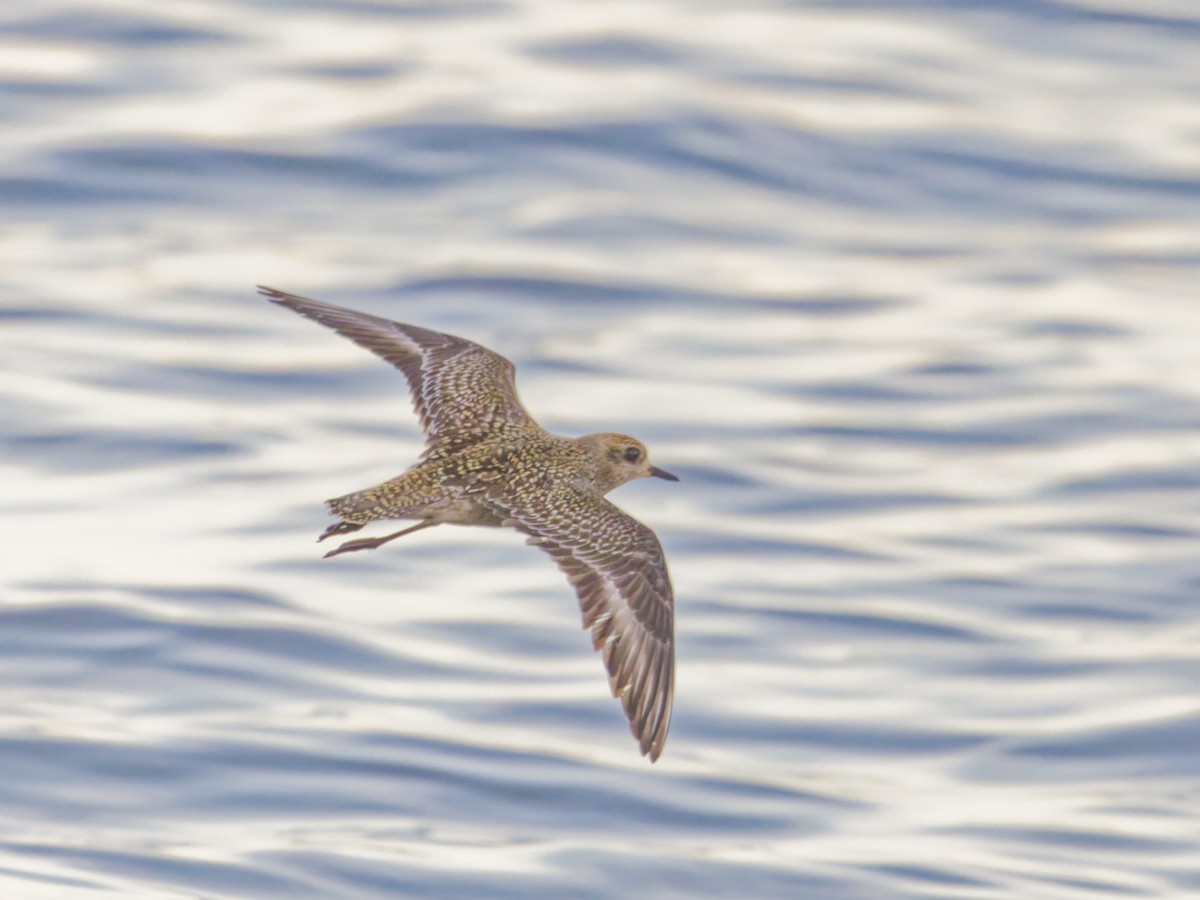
(633, 454)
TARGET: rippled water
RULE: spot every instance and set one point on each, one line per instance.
(905, 292)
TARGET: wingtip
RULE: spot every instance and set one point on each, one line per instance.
(652, 740)
(653, 744)
(271, 293)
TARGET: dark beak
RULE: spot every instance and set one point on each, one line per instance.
(663, 473)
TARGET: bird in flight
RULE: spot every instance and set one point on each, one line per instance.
(487, 462)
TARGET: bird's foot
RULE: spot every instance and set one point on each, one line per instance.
(360, 544)
(372, 543)
(339, 528)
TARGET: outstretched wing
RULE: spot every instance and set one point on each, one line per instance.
(619, 572)
(462, 392)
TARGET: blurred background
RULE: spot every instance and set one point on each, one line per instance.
(905, 292)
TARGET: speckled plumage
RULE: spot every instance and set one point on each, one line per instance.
(488, 463)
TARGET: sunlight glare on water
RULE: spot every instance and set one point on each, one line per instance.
(904, 292)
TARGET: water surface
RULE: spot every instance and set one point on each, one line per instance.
(904, 292)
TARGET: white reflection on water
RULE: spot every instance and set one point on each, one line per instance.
(903, 292)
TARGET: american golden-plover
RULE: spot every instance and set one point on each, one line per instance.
(487, 462)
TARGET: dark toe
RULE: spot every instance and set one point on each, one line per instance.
(339, 528)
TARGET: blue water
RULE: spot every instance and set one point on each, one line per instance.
(904, 292)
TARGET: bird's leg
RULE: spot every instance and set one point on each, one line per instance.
(339, 528)
(372, 543)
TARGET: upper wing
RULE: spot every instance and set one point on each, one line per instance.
(618, 570)
(462, 392)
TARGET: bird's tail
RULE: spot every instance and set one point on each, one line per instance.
(391, 500)
(358, 508)
(355, 510)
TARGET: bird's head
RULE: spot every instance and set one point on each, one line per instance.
(618, 458)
